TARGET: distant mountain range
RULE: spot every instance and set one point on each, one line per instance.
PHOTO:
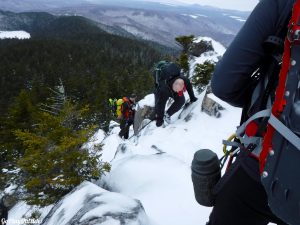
(147, 20)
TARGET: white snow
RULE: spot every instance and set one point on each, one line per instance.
(194, 16)
(168, 4)
(10, 189)
(148, 100)
(238, 18)
(96, 139)
(201, 15)
(162, 182)
(14, 34)
(21, 210)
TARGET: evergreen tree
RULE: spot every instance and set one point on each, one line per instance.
(184, 42)
(54, 159)
(202, 75)
(20, 115)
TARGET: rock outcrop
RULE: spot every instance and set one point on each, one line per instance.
(89, 204)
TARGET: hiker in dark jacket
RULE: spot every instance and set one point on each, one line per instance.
(174, 89)
(242, 199)
(127, 117)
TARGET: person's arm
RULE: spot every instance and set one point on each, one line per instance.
(189, 88)
(232, 75)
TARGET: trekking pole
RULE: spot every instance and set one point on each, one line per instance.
(140, 129)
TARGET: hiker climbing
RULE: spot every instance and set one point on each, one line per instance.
(126, 115)
(170, 84)
(262, 184)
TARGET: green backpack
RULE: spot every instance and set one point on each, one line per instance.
(115, 106)
(165, 71)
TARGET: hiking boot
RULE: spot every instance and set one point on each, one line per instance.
(167, 118)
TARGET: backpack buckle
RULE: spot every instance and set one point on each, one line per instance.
(293, 34)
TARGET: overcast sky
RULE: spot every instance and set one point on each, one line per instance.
(244, 5)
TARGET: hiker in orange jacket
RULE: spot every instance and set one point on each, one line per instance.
(127, 116)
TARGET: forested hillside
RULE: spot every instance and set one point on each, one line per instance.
(92, 64)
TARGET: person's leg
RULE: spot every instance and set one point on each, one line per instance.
(126, 129)
(241, 201)
(126, 132)
(177, 104)
(122, 127)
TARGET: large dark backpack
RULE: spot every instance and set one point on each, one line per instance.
(272, 133)
(280, 156)
(165, 71)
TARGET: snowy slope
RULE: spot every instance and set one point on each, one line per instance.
(161, 181)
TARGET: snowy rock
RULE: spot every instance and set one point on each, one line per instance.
(22, 213)
(211, 107)
(112, 126)
(198, 48)
(9, 198)
(140, 115)
(89, 204)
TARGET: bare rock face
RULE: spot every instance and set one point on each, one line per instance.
(196, 49)
(141, 114)
(211, 107)
(89, 204)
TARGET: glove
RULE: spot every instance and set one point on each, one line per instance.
(159, 123)
(193, 99)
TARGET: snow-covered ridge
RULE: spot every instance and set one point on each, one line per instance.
(212, 56)
(19, 34)
(218, 47)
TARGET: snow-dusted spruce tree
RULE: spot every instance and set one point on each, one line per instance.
(54, 159)
(202, 75)
(184, 42)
